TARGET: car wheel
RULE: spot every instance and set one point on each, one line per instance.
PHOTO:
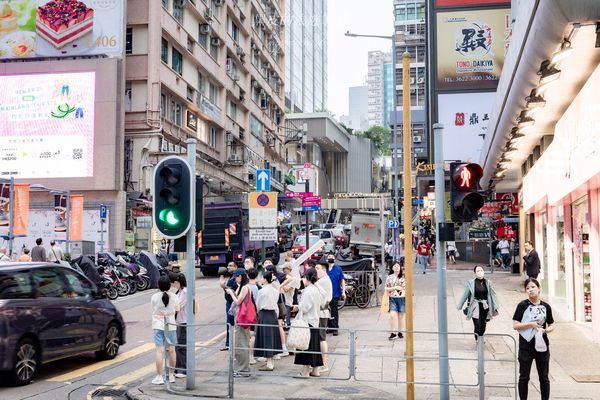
(26, 362)
(112, 342)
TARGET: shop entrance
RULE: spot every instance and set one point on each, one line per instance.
(582, 282)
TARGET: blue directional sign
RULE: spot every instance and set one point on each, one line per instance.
(263, 180)
(103, 211)
(393, 224)
(311, 208)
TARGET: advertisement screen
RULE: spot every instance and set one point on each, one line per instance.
(448, 3)
(47, 125)
(465, 117)
(60, 28)
(471, 46)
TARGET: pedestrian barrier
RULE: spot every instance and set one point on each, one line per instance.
(491, 361)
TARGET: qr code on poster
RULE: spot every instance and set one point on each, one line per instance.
(77, 154)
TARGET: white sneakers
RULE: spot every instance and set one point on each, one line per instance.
(180, 375)
(324, 368)
(159, 380)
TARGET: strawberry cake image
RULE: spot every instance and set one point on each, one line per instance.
(63, 21)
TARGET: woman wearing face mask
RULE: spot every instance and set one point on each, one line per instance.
(482, 303)
(533, 320)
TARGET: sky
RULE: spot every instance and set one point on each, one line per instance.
(348, 56)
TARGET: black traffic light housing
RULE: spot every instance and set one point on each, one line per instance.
(465, 200)
(172, 197)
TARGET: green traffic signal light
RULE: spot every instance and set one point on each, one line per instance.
(172, 197)
(169, 217)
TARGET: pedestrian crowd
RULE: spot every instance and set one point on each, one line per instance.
(38, 253)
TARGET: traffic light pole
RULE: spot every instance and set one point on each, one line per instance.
(440, 254)
(190, 273)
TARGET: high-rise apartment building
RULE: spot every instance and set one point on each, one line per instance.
(357, 118)
(410, 35)
(377, 86)
(210, 70)
(306, 55)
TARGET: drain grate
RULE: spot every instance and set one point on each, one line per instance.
(342, 390)
(108, 392)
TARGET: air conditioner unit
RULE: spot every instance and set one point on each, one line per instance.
(242, 97)
(204, 29)
(254, 46)
(420, 80)
(257, 20)
(235, 158)
(262, 93)
(228, 64)
(417, 139)
(229, 137)
(254, 83)
(264, 103)
(239, 51)
(236, 77)
(218, 3)
(215, 41)
(208, 15)
(270, 141)
(412, 80)
(242, 58)
(179, 3)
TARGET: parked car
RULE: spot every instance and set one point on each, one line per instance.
(332, 237)
(299, 247)
(49, 312)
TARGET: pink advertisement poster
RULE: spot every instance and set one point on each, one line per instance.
(47, 125)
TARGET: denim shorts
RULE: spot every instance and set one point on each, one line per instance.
(397, 304)
(159, 337)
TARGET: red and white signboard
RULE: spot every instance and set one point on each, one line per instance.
(504, 204)
(294, 195)
(311, 201)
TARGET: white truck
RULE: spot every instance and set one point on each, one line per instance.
(367, 236)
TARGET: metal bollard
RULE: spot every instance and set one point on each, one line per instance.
(230, 388)
(352, 362)
(481, 366)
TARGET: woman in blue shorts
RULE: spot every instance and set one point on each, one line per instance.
(395, 285)
(164, 304)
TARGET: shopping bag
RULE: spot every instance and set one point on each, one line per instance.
(385, 303)
(247, 313)
(299, 334)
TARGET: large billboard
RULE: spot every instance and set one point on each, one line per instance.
(465, 117)
(471, 46)
(47, 125)
(449, 3)
(60, 28)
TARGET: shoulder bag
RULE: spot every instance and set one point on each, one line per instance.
(385, 303)
(299, 334)
(247, 312)
(466, 309)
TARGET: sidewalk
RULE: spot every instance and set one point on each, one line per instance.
(572, 354)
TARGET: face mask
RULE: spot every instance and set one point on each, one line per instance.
(479, 274)
(331, 261)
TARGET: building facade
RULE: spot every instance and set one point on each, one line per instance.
(377, 62)
(543, 142)
(357, 118)
(210, 70)
(306, 55)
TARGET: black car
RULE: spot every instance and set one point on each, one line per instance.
(49, 312)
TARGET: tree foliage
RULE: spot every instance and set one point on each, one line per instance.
(380, 136)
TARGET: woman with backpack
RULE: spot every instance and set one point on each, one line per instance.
(241, 335)
(164, 305)
(482, 303)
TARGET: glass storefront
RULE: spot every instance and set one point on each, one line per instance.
(582, 285)
(560, 284)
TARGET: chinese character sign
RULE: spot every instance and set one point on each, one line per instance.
(471, 46)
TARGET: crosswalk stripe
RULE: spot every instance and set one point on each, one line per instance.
(73, 375)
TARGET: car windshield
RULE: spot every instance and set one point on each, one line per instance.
(301, 240)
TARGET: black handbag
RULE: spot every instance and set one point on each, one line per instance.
(466, 309)
(282, 310)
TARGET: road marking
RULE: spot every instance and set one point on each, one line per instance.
(151, 368)
(70, 376)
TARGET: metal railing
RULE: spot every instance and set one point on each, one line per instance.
(354, 353)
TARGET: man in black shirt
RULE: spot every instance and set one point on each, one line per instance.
(228, 281)
(531, 261)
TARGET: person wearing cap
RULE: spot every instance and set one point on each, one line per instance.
(241, 336)
(226, 280)
(326, 289)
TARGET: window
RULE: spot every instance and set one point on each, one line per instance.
(165, 3)
(190, 93)
(213, 93)
(48, 283)
(164, 50)
(212, 137)
(129, 40)
(163, 105)
(15, 285)
(177, 61)
(234, 31)
(201, 83)
(80, 287)
(214, 48)
(128, 96)
(190, 44)
(178, 11)
(203, 40)
(176, 112)
(232, 110)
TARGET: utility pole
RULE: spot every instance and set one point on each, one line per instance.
(306, 181)
(408, 257)
(190, 272)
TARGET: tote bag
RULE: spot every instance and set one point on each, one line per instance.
(385, 303)
(247, 313)
(299, 334)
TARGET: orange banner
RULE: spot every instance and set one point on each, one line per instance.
(76, 220)
(21, 211)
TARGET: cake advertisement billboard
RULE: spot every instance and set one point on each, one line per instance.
(60, 28)
(471, 46)
(47, 125)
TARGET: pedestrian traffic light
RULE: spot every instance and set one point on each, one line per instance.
(172, 197)
(465, 200)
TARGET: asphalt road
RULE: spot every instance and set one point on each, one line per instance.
(79, 377)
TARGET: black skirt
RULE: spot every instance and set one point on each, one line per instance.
(268, 340)
(314, 360)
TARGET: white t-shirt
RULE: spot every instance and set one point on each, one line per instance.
(159, 311)
(504, 246)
